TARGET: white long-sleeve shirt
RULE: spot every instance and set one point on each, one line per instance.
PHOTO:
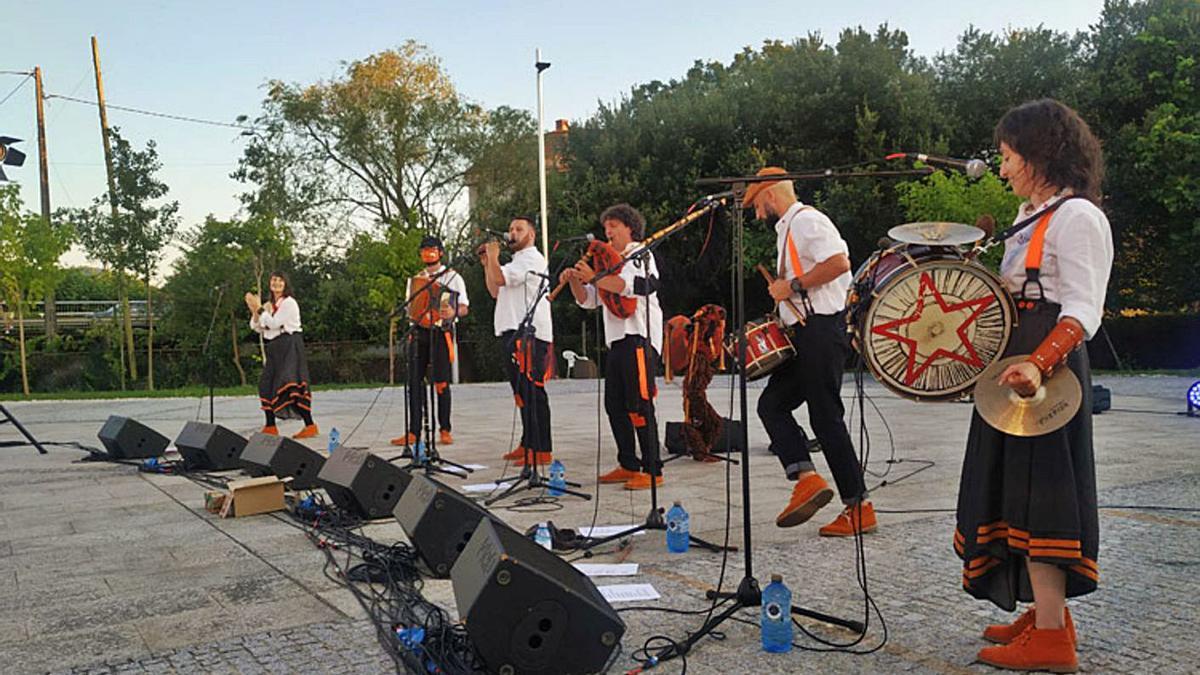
(521, 281)
(285, 319)
(634, 276)
(1077, 258)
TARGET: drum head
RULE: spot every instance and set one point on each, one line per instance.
(931, 330)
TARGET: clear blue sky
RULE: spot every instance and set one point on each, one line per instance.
(210, 59)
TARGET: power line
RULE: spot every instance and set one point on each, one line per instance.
(16, 88)
(151, 113)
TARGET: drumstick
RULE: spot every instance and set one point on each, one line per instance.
(770, 280)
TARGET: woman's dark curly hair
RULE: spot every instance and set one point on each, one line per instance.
(628, 215)
(1057, 143)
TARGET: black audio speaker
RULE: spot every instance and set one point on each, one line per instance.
(125, 438)
(209, 446)
(527, 610)
(438, 521)
(364, 484)
(268, 454)
(730, 439)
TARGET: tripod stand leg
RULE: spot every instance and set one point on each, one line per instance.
(9, 417)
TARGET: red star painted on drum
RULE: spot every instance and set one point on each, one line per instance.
(912, 371)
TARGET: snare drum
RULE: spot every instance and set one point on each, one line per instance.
(767, 347)
(928, 320)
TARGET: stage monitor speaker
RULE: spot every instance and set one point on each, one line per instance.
(209, 447)
(730, 439)
(125, 438)
(364, 484)
(527, 610)
(438, 521)
(268, 454)
(1101, 399)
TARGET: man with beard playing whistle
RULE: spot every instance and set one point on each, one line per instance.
(515, 286)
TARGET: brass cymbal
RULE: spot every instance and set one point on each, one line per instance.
(1055, 403)
(936, 234)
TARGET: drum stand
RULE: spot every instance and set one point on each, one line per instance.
(748, 593)
(530, 478)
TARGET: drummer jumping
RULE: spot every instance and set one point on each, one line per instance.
(813, 266)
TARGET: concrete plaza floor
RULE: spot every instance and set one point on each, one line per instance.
(103, 569)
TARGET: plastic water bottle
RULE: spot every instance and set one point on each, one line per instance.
(776, 616)
(335, 439)
(419, 452)
(543, 537)
(678, 529)
(558, 478)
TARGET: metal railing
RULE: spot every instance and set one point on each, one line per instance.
(76, 314)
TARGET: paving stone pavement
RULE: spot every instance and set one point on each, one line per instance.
(105, 570)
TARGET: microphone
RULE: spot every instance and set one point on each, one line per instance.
(974, 168)
(502, 236)
(589, 237)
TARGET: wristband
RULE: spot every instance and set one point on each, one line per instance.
(797, 287)
(1053, 351)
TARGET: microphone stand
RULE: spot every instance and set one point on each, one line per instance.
(431, 461)
(748, 593)
(654, 519)
(533, 479)
(208, 350)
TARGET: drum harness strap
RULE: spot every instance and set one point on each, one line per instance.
(1033, 255)
(797, 268)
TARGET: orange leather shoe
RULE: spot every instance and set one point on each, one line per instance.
(618, 475)
(642, 482)
(808, 496)
(540, 458)
(516, 453)
(1035, 649)
(271, 429)
(445, 438)
(1005, 633)
(851, 521)
(307, 432)
(407, 439)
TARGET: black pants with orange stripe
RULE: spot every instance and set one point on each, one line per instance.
(420, 359)
(629, 392)
(527, 370)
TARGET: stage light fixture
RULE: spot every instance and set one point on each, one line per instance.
(9, 156)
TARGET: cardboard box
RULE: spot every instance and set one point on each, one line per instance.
(253, 496)
(214, 500)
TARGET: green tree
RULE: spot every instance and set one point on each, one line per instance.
(1145, 75)
(388, 141)
(133, 239)
(29, 251)
(219, 264)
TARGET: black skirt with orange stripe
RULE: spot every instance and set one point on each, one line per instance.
(283, 385)
(1029, 498)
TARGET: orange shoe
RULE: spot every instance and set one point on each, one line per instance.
(271, 429)
(307, 432)
(516, 453)
(1005, 633)
(618, 475)
(444, 438)
(407, 439)
(1035, 649)
(539, 458)
(852, 520)
(808, 496)
(642, 482)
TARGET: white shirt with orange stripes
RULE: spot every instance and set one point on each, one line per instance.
(814, 239)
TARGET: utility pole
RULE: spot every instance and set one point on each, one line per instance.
(51, 316)
(127, 344)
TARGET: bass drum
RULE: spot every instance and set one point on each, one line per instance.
(928, 321)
